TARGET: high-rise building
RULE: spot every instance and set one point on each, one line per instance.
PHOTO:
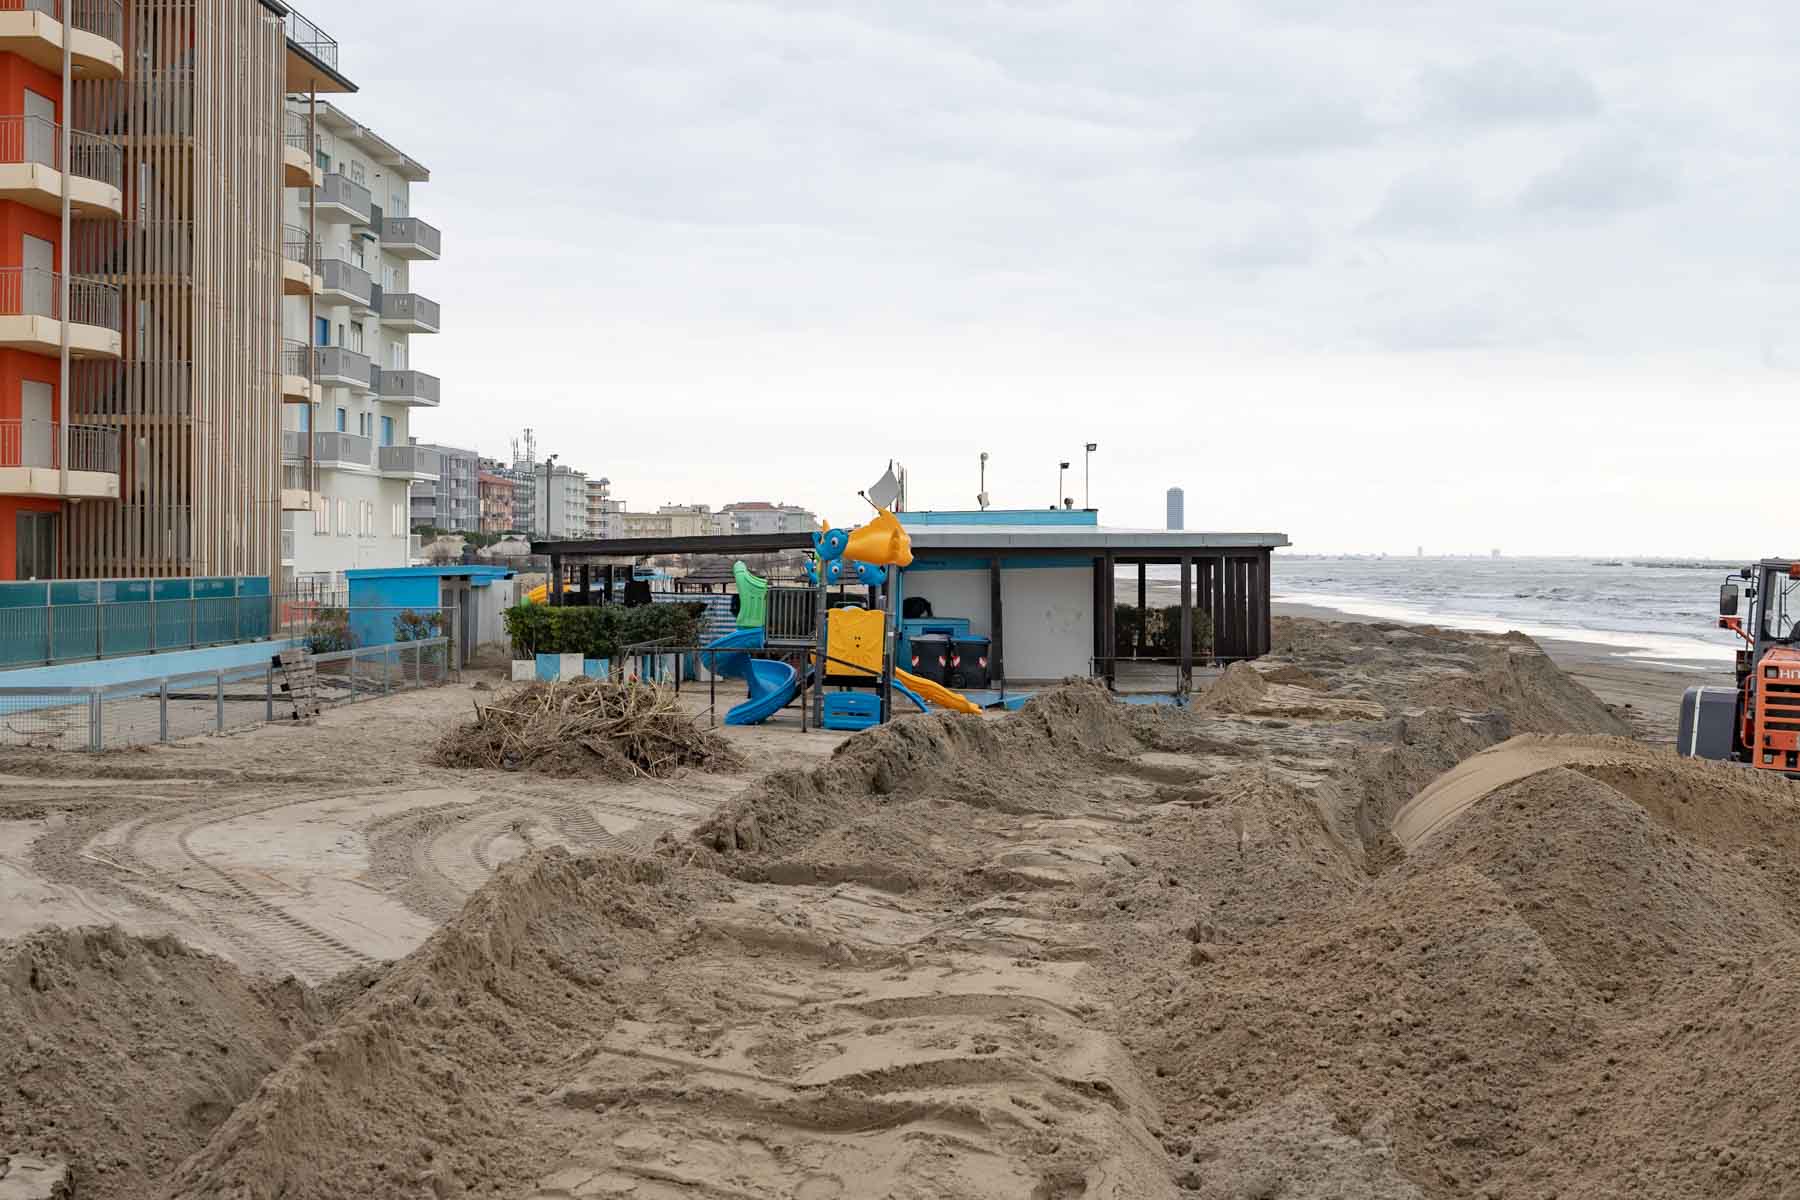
(1177, 500)
(452, 502)
(760, 517)
(350, 246)
(603, 510)
(140, 294)
(496, 492)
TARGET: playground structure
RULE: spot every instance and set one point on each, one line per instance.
(855, 647)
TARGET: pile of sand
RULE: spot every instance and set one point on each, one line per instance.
(416, 1089)
(1016, 763)
(1565, 991)
(121, 1055)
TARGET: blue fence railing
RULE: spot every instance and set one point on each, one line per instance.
(71, 620)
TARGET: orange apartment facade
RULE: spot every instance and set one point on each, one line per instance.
(144, 149)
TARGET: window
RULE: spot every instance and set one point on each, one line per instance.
(343, 418)
(305, 417)
(343, 518)
(321, 514)
(387, 431)
(340, 340)
(362, 424)
(356, 337)
(399, 520)
(397, 355)
(324, 160)
(322, 331)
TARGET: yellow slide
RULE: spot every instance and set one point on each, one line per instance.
(538, 595)
(936, 693)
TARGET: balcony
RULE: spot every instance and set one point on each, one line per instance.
(298, 169)
(340, 200)
(296, 373)
(31, 168)
(336, 366)
(414, 388)
(34, 30)
(339, 451)
(343, 283)
(31, 313)
(298, 487)
(409, 237)
(30, 461)
(297, 261)
(410, 312)
(312, 57)
(409, 462)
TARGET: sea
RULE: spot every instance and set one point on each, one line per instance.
(1656, 610)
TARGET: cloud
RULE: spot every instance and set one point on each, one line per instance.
(1291, 127)
(1601, 179)
(1275, 242)
(1433, 201)
(1506, 91)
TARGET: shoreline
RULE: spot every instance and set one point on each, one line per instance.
(1647, 692)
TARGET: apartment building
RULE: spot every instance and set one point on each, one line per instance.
(453, 501)
(145, 185)
(670, 520)
(496, 493)
(603, 510)
(349, 461)
(762, 517)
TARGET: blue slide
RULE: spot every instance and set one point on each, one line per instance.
(773, 685)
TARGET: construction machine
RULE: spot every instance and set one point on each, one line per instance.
(1758, 722)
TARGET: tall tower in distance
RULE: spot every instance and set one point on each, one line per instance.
(1176, 500)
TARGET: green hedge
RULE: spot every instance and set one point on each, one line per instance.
(600, 631)
(1162, 630)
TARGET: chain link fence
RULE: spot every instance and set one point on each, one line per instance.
(143, 712)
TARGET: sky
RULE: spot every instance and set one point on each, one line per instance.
(1518, 274)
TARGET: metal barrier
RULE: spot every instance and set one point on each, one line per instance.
(36, 443)
(70, 620)
(141, 712)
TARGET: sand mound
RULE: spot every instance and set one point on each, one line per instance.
(121, 1055)
(413, 1090)
(586, 727)
(1013, 763)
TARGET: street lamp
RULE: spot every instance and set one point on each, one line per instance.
(1087, 466)
(1060, 468)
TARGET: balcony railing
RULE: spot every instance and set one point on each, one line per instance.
(297, 359)
(34, 292)
(297, 245)
(296, 134)
(338, 363)
(351, 448)
(341, 190)
(415, 386)
(406, 308)
(26, 139)
(303, 34)
(336, 275)
(35, 444)
(402, 233)
(408, 460)
(104, 17)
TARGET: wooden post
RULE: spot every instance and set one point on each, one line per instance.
(1109, 617)
(1185, 684)
(1218, 608)
(587, 572)
(1143, 606)
(554, 594)
(996, 628)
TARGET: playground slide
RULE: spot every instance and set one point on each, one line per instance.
(937, 693)
(538, 594)
(773, 685)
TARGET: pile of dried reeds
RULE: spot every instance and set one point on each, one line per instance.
(586, 727)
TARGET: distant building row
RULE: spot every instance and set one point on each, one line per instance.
(472, 494)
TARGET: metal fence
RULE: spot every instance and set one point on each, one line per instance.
(36, 443)
(310, 38)
(34, 292)
(146, 711)
(70, 620)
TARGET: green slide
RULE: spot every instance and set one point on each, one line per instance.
(753, 598)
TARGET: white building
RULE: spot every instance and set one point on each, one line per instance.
(549, 501)
(349, 457)
(759, 517)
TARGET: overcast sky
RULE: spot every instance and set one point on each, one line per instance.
(1519, 274)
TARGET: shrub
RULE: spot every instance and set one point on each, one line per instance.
(328, 631)
(1162, 630)
(599, 631)
(412, 626)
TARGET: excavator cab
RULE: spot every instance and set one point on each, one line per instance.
(1757, 722)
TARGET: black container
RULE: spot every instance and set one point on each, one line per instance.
(930, 656)
(969, 665)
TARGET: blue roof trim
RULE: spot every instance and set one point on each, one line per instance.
(1004, 516)
(471, 571)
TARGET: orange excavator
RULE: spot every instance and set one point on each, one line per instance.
(1758, 722)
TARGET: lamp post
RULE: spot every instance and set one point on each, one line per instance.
(1087, 467)
(1060, 468)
